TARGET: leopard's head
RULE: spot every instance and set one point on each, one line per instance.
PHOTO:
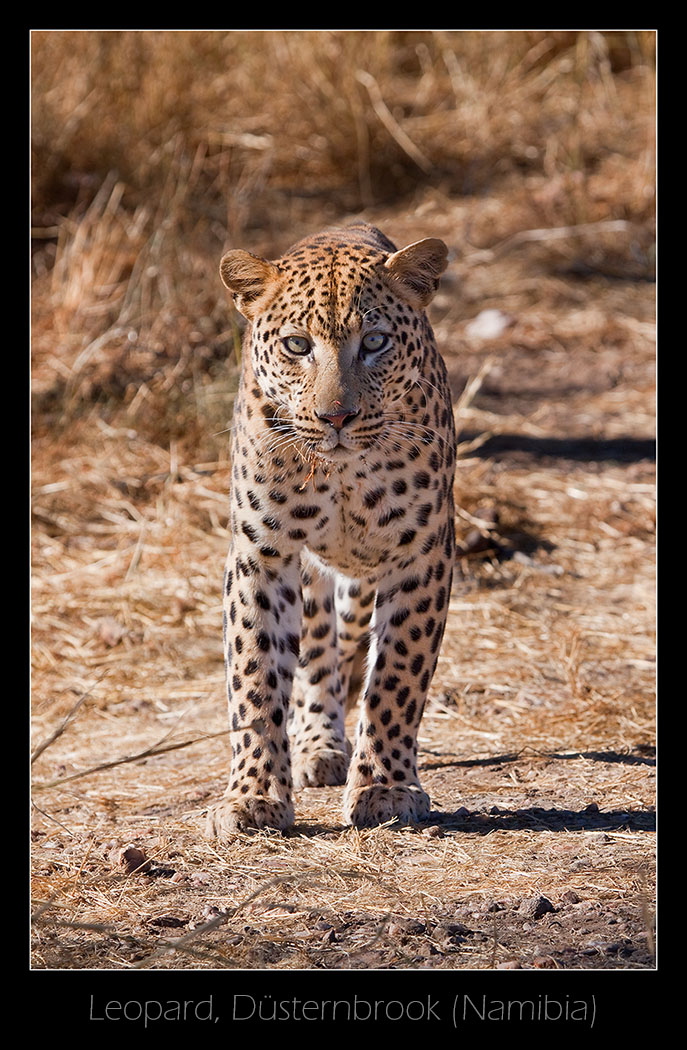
(337, 334)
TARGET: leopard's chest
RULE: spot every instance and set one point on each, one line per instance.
(372, 518)
(357, 516)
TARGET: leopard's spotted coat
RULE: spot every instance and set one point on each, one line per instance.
(342, 534)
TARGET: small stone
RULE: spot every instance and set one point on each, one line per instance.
(509, 964)
(171, 921)
(210, 911)
(452, 932)
(476, 542)
(131, 858)
(434, 832)
(536, 907)
(570, 897)
(406, 928)
(488, 515)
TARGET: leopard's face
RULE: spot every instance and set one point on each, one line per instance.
(336, 343)
(335, 359)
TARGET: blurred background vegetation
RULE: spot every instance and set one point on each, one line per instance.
(153, 151)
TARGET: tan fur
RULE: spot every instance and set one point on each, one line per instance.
(341, 525)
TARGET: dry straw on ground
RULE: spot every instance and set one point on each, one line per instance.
(532, 155)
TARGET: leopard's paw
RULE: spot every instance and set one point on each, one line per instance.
(365, 807)
(320, 768)
(235, 813)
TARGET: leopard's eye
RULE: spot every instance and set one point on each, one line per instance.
(297, 344)
(373, 342)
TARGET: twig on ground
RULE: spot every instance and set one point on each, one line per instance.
(154, 749)
(45, 744)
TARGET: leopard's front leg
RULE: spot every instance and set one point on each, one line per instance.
(406, 632)
(262, 609)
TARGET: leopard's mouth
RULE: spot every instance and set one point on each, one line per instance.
(339, 450)
(339, 445)
(344, 441)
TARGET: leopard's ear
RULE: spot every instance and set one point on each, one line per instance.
(416, 269)
(247, 277)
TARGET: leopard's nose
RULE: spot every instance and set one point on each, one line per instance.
(339, 417)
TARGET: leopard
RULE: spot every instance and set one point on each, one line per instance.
(341, 520)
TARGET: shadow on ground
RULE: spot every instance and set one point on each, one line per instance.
(621, 449)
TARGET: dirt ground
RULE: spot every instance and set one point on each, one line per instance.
(538, 744)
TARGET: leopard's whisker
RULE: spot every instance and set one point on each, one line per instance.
(396, 436)
(279, 442)
(426, 436)
(407, 423)
(399, 442)
(423, 379)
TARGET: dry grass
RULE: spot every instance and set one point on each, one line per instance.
(532, 155)
(152, 151)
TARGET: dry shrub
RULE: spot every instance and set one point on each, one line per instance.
(325, 111)
(154, 150)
